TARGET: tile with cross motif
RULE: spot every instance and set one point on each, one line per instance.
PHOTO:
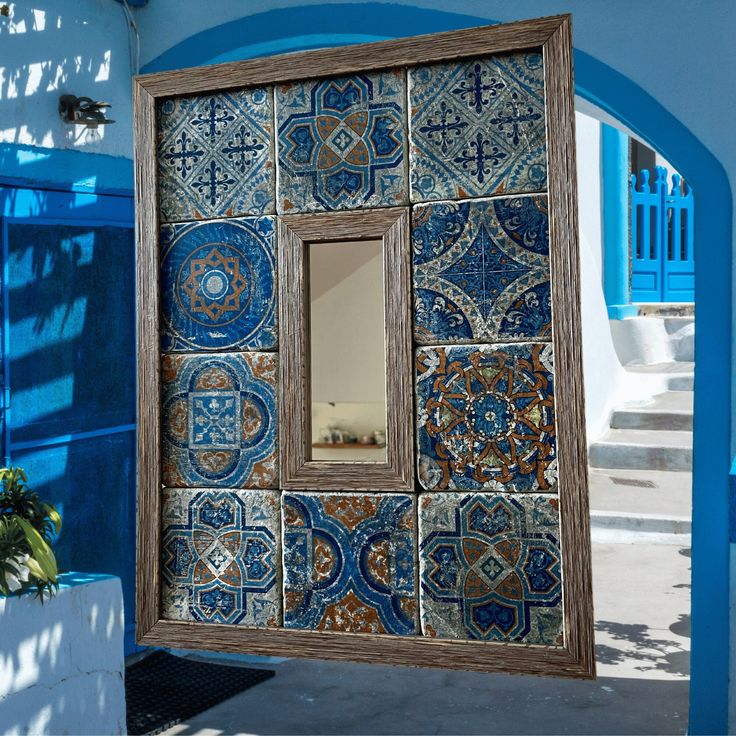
(490, 567)
(215, 155)
(477, 128)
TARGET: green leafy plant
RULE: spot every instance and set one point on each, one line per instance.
(28, 527)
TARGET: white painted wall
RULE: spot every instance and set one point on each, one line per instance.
(61, 663)
(49, 48)
(605, 379)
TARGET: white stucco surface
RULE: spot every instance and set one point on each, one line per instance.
(50, 48)
(61, 663)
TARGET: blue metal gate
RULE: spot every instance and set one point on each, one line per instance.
(662, 254)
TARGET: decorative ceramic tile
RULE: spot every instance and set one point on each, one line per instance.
(341, 143)
(219, 420)
(485, 417)
(215, 155)
(490, 567)
(218, 285)
(477, 128)
(349, 562)
(221, 559)
(481, 270)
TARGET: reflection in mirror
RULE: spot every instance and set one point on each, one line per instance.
(348, 353)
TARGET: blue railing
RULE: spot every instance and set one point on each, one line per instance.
(662, 254)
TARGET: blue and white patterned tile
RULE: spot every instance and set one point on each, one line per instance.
(215, 155)
(219, 420)
(490, 568)
(486, 417)
(218, 285)
(477, 128)
(341, 143)
(481, 270)
(349, 562)
(221, 559)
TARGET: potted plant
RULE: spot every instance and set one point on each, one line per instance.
(28, 527)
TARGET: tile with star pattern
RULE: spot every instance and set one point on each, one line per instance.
(480, 270)
(221, 556)
(218, 285)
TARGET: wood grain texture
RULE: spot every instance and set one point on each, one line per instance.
(147, 336)
(413, 651)
(485, 40)
(567, 341)
(297, 470)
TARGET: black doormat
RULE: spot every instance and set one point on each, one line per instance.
(162, 690)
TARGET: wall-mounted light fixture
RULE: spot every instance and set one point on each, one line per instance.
(83, 111)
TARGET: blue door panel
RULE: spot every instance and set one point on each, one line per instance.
(71, 362)
(92, 483)
(68, 369)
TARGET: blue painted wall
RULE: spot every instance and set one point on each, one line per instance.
(69, 362)
(615, 183)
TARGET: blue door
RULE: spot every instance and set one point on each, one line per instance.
(68, 373)
(662, 237)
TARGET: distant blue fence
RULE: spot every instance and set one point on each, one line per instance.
(662, 254)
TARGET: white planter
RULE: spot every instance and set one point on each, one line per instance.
(62, 663)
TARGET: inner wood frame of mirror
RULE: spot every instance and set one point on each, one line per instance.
(295, 233)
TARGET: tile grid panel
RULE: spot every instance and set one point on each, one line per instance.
(489, 559)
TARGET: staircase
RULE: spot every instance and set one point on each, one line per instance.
(640, 468)
(655, 434)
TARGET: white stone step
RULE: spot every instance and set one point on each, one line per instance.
(643, 448)
(677, 375)
(669, 410)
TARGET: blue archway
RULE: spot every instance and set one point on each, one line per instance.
(280, 31)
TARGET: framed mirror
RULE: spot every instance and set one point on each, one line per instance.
(437, 302)
(346, 417)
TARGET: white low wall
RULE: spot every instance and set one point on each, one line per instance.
(62, 663)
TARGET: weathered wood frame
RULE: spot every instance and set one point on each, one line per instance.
(297, 469)
(576, 658)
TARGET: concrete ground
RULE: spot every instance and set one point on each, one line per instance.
(642, 605)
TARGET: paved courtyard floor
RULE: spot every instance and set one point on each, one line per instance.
(642, 607)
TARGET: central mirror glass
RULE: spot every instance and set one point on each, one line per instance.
(348, 352)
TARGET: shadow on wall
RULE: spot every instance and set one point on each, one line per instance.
(61, 663)
(69, 361)
(84, 51)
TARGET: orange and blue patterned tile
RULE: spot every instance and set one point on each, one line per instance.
(477, 128)
(215, 155)
(490, 567)
(486, 417)
(349, 562)
(218, 285)
(220, 556)
(481, 270)
(219, 420)
(341, 143)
